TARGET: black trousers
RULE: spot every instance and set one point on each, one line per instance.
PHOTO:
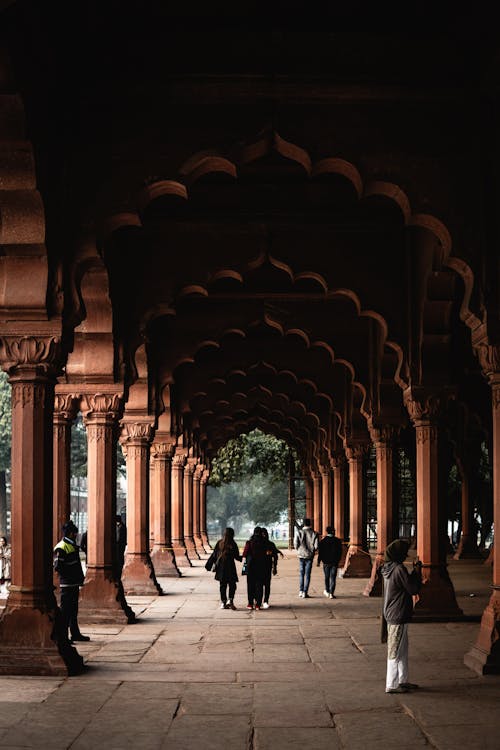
(267, 587)
(223, 587)
(69, 610)
(255, 588)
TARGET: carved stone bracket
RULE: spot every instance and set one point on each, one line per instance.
(162, 451)
(136, 432)
(204, 476)
(190, 465)
(198, 472)
(489, 359)
(36, 355)
(422, 405)
(102, 404)
(337, 460)
(65, 407)
(355, 452)
(178, 461)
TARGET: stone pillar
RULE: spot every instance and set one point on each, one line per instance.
(309, 496)
(189, 470)
(178, 545)
(382, 439)
(198, 472)
(138, 575)
(484, 656)
(102, 599)
(326, 499)
(467, 546)
(162, 555)
(65, 410)
(338, 468)
(437, 597)
(317, 501)
(203, 511)
(358, 561)
(30, 640)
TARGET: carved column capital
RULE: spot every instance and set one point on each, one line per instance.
(29, 356)
(65, 407)
(495, 395)
(105, 405)
(178, 461)
(382, 434)
(355, 452)
(198, 472)
(337, 461)
(205, 476)
(489, 359)
(162, 451)
(136, 433)
(423, 406)
(190, 466)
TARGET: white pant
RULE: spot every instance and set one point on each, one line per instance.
(397, 656)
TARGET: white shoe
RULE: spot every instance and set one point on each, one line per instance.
(222, 605)
(325, 593)
(301, 594)
(265, 605)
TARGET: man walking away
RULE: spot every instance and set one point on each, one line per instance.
(306, 544)
(329, 553)
(69, 568)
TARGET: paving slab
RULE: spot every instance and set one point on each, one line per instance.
(211, 733)
(296, 738)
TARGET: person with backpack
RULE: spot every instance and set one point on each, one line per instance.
(306, 544)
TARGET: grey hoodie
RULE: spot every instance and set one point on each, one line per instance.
(399, 587)
(306, 542)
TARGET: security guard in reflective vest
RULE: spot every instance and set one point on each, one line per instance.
(69, 568)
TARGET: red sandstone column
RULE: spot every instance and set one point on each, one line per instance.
(30, 643)
(138, 575)
(196, 507)
(309, 496)
(338, 467)
(437, 597)
(178, 545)
(358, 561)
(162, 556)
(317, 500)
(326, 498)
(102, 599)
(382, 439)
(64, 413)
(189, 470)
(467, 546)
(484, 656)
(203, 510)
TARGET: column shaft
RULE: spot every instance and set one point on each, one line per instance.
(326, 500)
(385, 512)
(197, 507)
(203, 511)
(317, 501)
(64, 414)
(178, 544)
(138, 573)
(358, 561)
(162, 555)
(189, 509)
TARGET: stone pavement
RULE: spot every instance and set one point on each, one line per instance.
(307, 673)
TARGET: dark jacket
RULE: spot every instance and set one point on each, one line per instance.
(67, 563)
(225, 568)
(256, 557)
(271, 556)
(330, 550)
(399, 588)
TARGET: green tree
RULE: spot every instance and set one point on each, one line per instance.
(5, 445)
(248, 480)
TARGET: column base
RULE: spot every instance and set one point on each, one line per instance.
(191, 548)
(358, 563)
(199, 545)
(163, 560)
(374, 587)
(30, 644)
(206, 544)
(436, 601)
(138, 576)
(181, 556)
(484, 656)
(467, 549)
(102, 600)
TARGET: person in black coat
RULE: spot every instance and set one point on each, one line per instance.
(223, 557)
(254, 554)
(329, 553)
(272, 553)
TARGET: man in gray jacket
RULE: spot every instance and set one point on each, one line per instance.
(306, 544)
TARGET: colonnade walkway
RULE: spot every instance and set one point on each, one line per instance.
(306, 673)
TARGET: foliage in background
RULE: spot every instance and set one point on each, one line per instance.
(249, 454)
(249, 480)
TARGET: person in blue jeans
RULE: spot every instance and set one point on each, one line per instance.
(306, 544)
(329, 553)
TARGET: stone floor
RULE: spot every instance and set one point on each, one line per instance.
(307, 673)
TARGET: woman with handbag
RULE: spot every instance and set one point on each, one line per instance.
(222, 560)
